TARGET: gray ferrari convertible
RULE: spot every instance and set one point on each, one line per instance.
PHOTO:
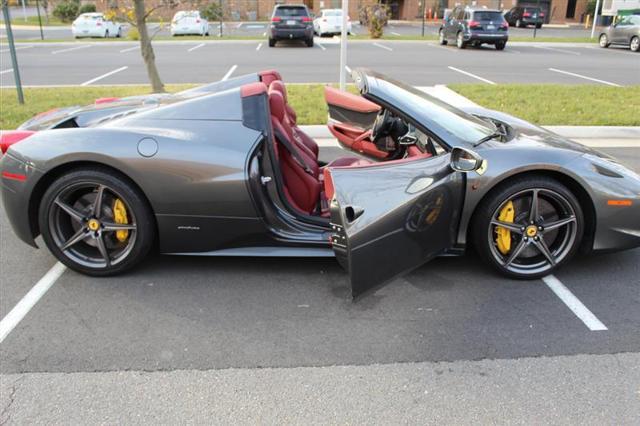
(224, 170)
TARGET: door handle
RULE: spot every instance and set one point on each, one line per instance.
(351, 213)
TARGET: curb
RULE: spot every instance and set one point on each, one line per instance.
(320, 131)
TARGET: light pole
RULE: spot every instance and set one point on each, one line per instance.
(12, 49)
(343, 45)
(423, 2)
(595, 19)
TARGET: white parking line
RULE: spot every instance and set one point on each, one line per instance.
(321, 46)
(6, 71)
(382, 47)
(471, 75)
(17, 48)
(259, 46)
(573, 303)
(585, 77)
(558, 50)
(264, 34)
(129, 49)
(23, 307)
(195, 47)
(55, 52)
(228, 74)
(395, 33)
(347, 69)
(239, 25)
(100, 77)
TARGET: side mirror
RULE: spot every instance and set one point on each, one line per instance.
(463, 160)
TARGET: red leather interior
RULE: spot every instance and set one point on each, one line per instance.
(349, 101)
(252, 89)
(268, 76)
(356, 139)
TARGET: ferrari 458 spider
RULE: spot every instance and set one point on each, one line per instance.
(223, 170)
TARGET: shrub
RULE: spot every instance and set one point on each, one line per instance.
(87, 8)
(66, 11)
(133, 34)
(377, 16)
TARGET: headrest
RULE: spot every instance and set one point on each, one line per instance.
(253, 89)
(280, 87)
(269, 75)
(276, 105)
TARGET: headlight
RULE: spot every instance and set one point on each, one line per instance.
(610, 167)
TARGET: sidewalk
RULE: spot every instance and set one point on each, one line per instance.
(580, 389)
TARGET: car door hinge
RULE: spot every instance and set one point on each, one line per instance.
(265, 179)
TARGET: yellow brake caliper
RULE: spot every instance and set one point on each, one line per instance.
(120, 216)
(503, 235)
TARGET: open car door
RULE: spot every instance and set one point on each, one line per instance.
(351, 118)
(389, 218)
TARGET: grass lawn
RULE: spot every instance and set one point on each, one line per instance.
(543, 104)
(554, 104)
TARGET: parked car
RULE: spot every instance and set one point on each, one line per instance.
(291, 22)
(224, 170)
(95, 25)
(189, 22)
(522, 17)
(329, 22)
(471, 25)
(625, 32)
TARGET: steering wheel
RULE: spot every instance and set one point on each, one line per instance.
(382, 125)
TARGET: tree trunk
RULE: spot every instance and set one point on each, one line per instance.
(146, 48)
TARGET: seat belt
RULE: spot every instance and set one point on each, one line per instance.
(296, 156)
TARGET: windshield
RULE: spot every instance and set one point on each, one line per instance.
(331, 13)
(291, 11)
(487, 16)
(453, 121)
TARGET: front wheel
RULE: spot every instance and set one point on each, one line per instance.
(441, 37)
(500, 45)
(603, 41)
(96, 222)
(460, 41)
(635, 44)
(528, 227)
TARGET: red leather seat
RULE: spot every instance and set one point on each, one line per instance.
(302, 185)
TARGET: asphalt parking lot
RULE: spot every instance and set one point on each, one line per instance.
(210, 313)
(417, 63)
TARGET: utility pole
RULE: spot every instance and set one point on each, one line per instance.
(343, 46)
(535, 27)
(423, 10)
(595, 19)
(221, 13)
(39, 19)
(12, 49)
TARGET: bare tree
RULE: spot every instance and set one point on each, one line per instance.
(146, 48)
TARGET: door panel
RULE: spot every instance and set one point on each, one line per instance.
(356, 139)
(348, 108)
(390, 218)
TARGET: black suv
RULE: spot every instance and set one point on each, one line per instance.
(524, 16)
(291, 22)
(472, 25)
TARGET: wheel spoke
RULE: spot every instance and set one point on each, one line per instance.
(97, 204)
(75, 214)
(516, 252)
(533, 212)
(508, 225)
(103, 250)
(542, 246)
(110, 226)
(76, 238)
(559, 223)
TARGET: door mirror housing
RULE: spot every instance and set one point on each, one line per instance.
(464, 160)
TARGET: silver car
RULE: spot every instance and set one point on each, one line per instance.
(625, 32)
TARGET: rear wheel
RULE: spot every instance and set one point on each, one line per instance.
(635, 44)
(538, 26)
(272, 42)
(441, 37)
(460, 40)
(309, 42)
(528, 227)
(500, 45)
(603, 41)
(520, 24)
(106, 33)
(96, 222)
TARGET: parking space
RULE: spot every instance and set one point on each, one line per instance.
(418, 63)
(210, 313)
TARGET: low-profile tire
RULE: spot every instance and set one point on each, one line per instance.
(603, 41)
(635, 44)
(460, 43)
(91, 237)
(272, 42)
(534, 249)
(500, 45)
(309, 42)
(441, 38)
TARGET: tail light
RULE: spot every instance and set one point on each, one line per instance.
(98, 24)
(197, 21)
(105, 100)
(306, 19)
(504, 24)
(324, 19)
(474, 24)
(541, 14)
(12, 136)
(276, 19)
(526, 15)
